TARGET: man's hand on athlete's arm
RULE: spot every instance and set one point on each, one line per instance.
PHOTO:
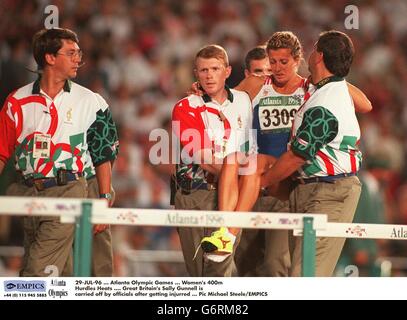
(195, 89)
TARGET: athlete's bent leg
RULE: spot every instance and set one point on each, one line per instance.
(250, 184)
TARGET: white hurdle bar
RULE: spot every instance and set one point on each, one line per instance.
(70, 208)
(208, 219)
(67, 208)
(85, 212)
(361, 231)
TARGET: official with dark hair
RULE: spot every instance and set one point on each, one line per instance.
(324, 154)
(55, 126)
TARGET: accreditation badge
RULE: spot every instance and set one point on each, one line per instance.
(42, 146)
(220, 148)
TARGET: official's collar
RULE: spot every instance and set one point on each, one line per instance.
(36, 87)
(325, 81)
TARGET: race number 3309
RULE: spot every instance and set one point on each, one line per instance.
(276, 118)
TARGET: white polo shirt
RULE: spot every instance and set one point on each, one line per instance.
(223, 128)
(68, 121)
(326, 131)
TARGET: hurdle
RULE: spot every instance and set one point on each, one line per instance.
(361, 231)
(85, 212)
(70, 210)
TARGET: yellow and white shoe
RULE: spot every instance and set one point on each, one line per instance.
(219, 242)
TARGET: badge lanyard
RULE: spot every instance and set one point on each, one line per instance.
(42, 141)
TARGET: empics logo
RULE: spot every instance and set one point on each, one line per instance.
(10, 286)
(24, 286)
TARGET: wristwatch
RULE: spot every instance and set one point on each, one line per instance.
(107, 196)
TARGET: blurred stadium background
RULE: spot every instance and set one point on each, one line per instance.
(139, 57)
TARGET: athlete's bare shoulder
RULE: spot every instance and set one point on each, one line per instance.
(251, 85)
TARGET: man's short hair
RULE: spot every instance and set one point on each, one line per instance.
(49, 41)
(338, 51)
(213, 51)
(257, 53)
(285, 40)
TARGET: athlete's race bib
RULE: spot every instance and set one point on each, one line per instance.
(276, 113)
(276, 118)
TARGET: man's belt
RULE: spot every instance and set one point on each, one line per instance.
(63, 177)
(326, 179)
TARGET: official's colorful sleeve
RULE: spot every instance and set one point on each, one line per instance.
(7, 131)
(318, 128)
(102, 136)
(188, 126)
